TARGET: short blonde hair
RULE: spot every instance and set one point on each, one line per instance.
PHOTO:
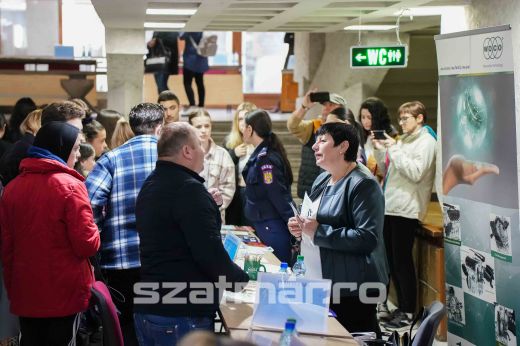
(414, 108)
(234, 138)
(32, 122)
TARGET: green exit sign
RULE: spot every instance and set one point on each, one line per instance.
(378, 56)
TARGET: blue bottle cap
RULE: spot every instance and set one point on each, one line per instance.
(290, 325)
(284, 265)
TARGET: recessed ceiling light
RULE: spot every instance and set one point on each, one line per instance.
(163, 25)
(369, 27)
(425, 11)
(171, 11)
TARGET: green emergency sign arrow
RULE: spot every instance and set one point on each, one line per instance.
(360, 57)
(378, 56)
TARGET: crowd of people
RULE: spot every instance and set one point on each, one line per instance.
(149, 206)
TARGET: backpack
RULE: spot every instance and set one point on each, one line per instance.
(207, 45)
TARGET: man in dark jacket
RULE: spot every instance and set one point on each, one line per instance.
(182, 256)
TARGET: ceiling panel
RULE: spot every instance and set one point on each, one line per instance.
(268, 15)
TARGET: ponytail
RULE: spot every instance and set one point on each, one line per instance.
(275, 144)
(261, 123)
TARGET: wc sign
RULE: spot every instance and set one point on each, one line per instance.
(493, 47)
(378, 56)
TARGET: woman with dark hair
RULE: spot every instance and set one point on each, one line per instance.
(47, 235)
(96, 135)
(268, 177)
(346, 231)
(21, 109)
(373, 115)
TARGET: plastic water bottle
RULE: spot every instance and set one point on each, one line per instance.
(285, 273)
(299, 267)
(289, 331)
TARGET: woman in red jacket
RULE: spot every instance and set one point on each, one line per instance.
(47, 235)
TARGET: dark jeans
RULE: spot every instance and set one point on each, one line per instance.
(123, 281)
(154, 330)
(399, 235)
(161, 79)
(188, 76)
(356, 316)
(51, 331)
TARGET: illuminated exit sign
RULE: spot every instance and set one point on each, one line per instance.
(378, 56)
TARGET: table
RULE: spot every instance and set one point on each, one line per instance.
(237, 318)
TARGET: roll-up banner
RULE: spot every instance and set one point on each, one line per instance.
(480, 186)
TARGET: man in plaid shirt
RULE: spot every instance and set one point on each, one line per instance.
(113, 186)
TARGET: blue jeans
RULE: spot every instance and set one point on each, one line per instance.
(154, 330)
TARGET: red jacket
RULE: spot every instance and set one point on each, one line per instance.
(47, 235)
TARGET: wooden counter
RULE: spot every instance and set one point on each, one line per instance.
(223, 86)
(46, 79)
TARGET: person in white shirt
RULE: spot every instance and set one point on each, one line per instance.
(219, 169)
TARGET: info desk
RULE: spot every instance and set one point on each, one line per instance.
(237, 319)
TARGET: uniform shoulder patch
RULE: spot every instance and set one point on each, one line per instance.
(267, 173)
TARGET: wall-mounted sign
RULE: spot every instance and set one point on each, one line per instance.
(378, 56)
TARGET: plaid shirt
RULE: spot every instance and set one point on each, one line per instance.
(113, 186)
(219, 172)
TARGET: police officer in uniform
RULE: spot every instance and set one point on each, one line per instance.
(268, 177)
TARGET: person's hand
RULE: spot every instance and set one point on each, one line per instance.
(295, 224)
(151, 43)
(381, 144)
(389, 141)
(309, 227)
(217, 195)
(307, 99)
(462, 171)
(241, 150)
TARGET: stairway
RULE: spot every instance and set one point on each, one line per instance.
(291, 144)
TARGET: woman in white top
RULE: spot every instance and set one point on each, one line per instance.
(240, 153)
(373, 115)
(219, 170)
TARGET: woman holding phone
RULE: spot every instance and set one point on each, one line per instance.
(348, 227)
(374, 118)
(409, 174)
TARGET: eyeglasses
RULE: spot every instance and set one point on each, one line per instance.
(405, 119)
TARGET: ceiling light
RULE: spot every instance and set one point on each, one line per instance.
(426, 11)
(164, 25)
(369, 27)
(171, 11)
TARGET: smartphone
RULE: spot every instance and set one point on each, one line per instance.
(379, 134)
(320, 97)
